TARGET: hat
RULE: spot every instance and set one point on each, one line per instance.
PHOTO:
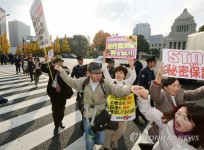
(109, 60)
(79, 58)
(37, 58)
(151, 58)
(94, 67)
(58, 58)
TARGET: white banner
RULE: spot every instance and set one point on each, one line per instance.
(50, 54)
(39, 24)
(184, 63)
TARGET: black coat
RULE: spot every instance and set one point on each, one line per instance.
(66, 91)
(78, 71)
(138, 66)
(145, 77)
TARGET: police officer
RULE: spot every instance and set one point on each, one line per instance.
(78, 70)
(138, 66)
(146, 75)
(110, 67)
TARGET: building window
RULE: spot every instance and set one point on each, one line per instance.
(184, 45)
(179, 45)
(152, 45)
(174, 45)
(170, 45)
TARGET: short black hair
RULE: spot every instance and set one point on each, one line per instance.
(121, 68)
(166, 81)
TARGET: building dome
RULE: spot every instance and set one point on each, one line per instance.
(184, 14)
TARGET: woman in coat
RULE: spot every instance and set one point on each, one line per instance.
(167, 95)
(113, 135)
(180, 128)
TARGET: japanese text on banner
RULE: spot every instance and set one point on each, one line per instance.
(122, 109)
(122, 46)
(184, 63)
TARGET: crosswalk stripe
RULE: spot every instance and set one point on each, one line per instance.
(23, 104)
(22, 88)
(7, 75)
(16, 96)
(11, 82)
(14, 78)
(17, 121)
(20, 84)
(40, 135)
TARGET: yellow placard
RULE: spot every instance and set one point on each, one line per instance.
(122, 108)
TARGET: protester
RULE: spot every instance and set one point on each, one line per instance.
(30, 66)
(17, 62)
(37, 71)
(95, 99)
(167, 94)
(112, 135)
(57, 90)
(179, 129)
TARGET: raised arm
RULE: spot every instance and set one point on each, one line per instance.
(132, 76)
(151, 113)
(74, 83)
(155, 87)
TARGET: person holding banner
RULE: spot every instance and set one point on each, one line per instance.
(57, 90)
(181, 128)
(117, 127)
(167, 94)
(95, 99)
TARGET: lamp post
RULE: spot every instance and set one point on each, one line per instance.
(0, 31)
(2, 18)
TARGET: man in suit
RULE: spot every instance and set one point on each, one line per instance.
(57, 90)
(145, 77)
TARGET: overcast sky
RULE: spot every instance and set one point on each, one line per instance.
(114, 16)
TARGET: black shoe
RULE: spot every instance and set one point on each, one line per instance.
(146, 146)
(61, 125)
(55, 131)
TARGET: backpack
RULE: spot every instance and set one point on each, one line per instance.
(101, 120)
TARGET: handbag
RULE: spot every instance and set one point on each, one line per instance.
(112, 125)
(38, 72)
(101, 121)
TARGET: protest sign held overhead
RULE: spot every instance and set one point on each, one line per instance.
(122, 46)
(39, 24)
(184, 63)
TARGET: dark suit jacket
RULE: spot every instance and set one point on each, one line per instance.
(66, 91)
(145, 77)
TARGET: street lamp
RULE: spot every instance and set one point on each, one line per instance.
(0, 30)
(2, 18)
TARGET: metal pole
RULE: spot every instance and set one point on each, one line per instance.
(23, 45)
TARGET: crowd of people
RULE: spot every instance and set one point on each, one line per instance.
(161, 101)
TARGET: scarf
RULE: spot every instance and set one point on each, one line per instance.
(181, 135)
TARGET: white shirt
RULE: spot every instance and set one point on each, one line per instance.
(93, 84)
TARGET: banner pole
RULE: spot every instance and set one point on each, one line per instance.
(48, 64)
